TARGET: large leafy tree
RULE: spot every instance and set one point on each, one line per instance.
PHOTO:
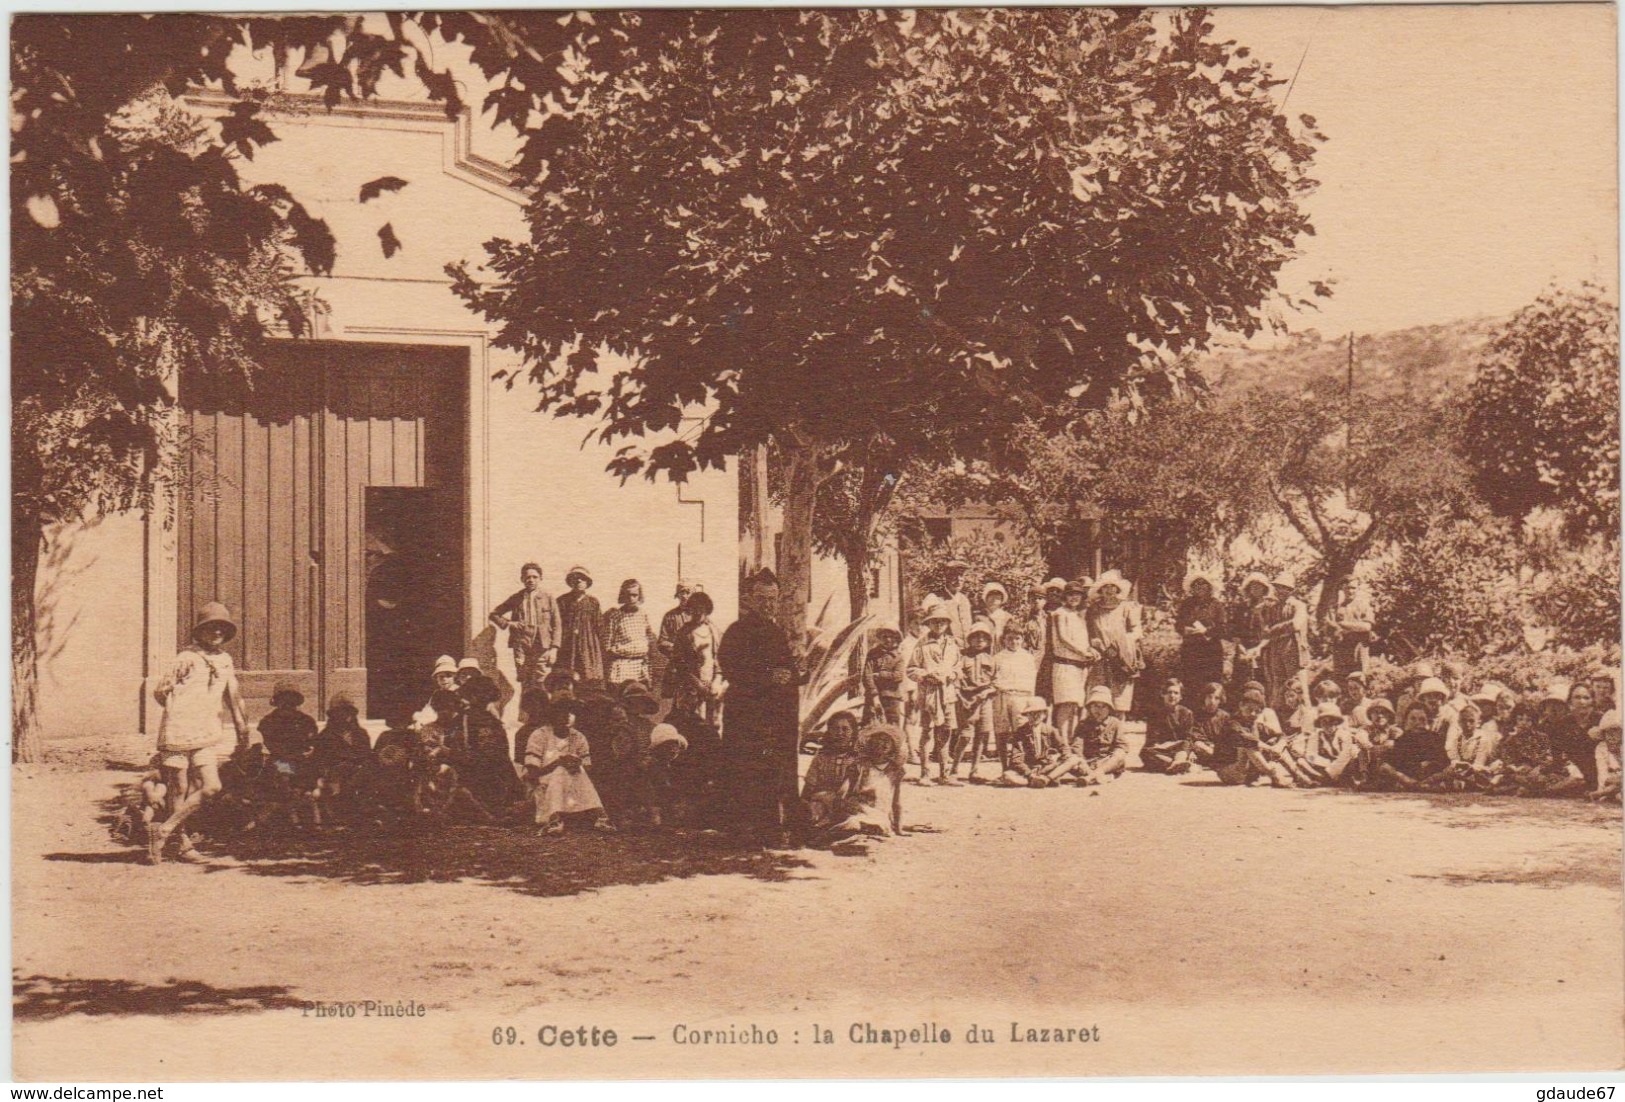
(830, 228)
(1542, 427)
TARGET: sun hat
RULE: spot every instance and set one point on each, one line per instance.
(1113, 578)
(662, 733)
(285, 690)
(444, 664)
(980, 627)
(469, 664)
(578, 572)
(1078, 586)
(1432, 686)
(1379, 704)
(1034, 705)
(1200, 576)
(1328, 710)
(1285, 580)
(1490, 690)
(935, 610)
(1253, 577)
(994, 587)
(215, 613)
(1054, 584)
(1100, 694)
(1354, 675)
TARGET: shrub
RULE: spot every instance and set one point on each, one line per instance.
(1580, 596)
(1014, 562)
(1455, 588)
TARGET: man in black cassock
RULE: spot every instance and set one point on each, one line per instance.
(761, 717)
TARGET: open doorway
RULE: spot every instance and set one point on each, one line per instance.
(414, 591)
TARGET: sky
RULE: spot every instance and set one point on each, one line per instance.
(1472, 154)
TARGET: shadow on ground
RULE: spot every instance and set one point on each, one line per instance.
(513, 858)
(1477, 810)
(40, 998)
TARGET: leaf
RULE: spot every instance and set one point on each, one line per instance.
(372, 189)
(386, 237)
(243, 130)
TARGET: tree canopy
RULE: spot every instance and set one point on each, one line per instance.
(1542, 425)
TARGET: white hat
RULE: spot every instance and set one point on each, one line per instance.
(1286, 580)
(935, 610)
(1559, 691)
(445, 664)
(1432, 685)
(1328, 710)
(1100, 694)
(1034, 704)
(1113, 578)
(1055, 583)
(469, 664)
(665, 732)
(982, 627)
(995, 587)
(1490, 690)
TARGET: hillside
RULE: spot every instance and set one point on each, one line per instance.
(1425, 361)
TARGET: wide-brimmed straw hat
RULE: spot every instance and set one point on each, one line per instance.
(215, 613)
(578, 572)
(1110, 578)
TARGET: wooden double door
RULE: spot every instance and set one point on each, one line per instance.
(325, 505)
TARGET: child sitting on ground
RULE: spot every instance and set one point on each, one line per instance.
(1027, 747)
(1169, 733)
(830, 787)
(1241, 750)
(556, 763)
(343, 749)
(290, 739)
(663, 792)
(1416, 755)
(1098, 752)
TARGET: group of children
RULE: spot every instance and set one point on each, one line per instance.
(596, 755)
(1434, 736)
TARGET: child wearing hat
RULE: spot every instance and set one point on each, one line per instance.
(342, 751)
(444, 676)
(1098, 752)
(883, 678)
(1028, 747)
(666, 745)
(935, 670)
(290, 741)
(976, 691)
(199, 695)
(581, 629)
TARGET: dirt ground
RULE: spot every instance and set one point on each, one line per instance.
(1181, 927)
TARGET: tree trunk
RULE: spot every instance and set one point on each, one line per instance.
(26, 745)
(795, 546)
(857, 579)
(1338, 570)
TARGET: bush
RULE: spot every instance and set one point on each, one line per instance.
(1580, 596)
(1455, 588)
(1015, 562)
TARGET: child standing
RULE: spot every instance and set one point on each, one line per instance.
(935, 670)
(199, 696)
(976, 690)
(883, 678)
(1015, 681)
(556, 761)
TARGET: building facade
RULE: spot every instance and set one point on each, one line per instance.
(371, 498)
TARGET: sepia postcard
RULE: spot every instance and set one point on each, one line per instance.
(780, 543)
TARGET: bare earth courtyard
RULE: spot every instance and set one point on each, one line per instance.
(1181, 927)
